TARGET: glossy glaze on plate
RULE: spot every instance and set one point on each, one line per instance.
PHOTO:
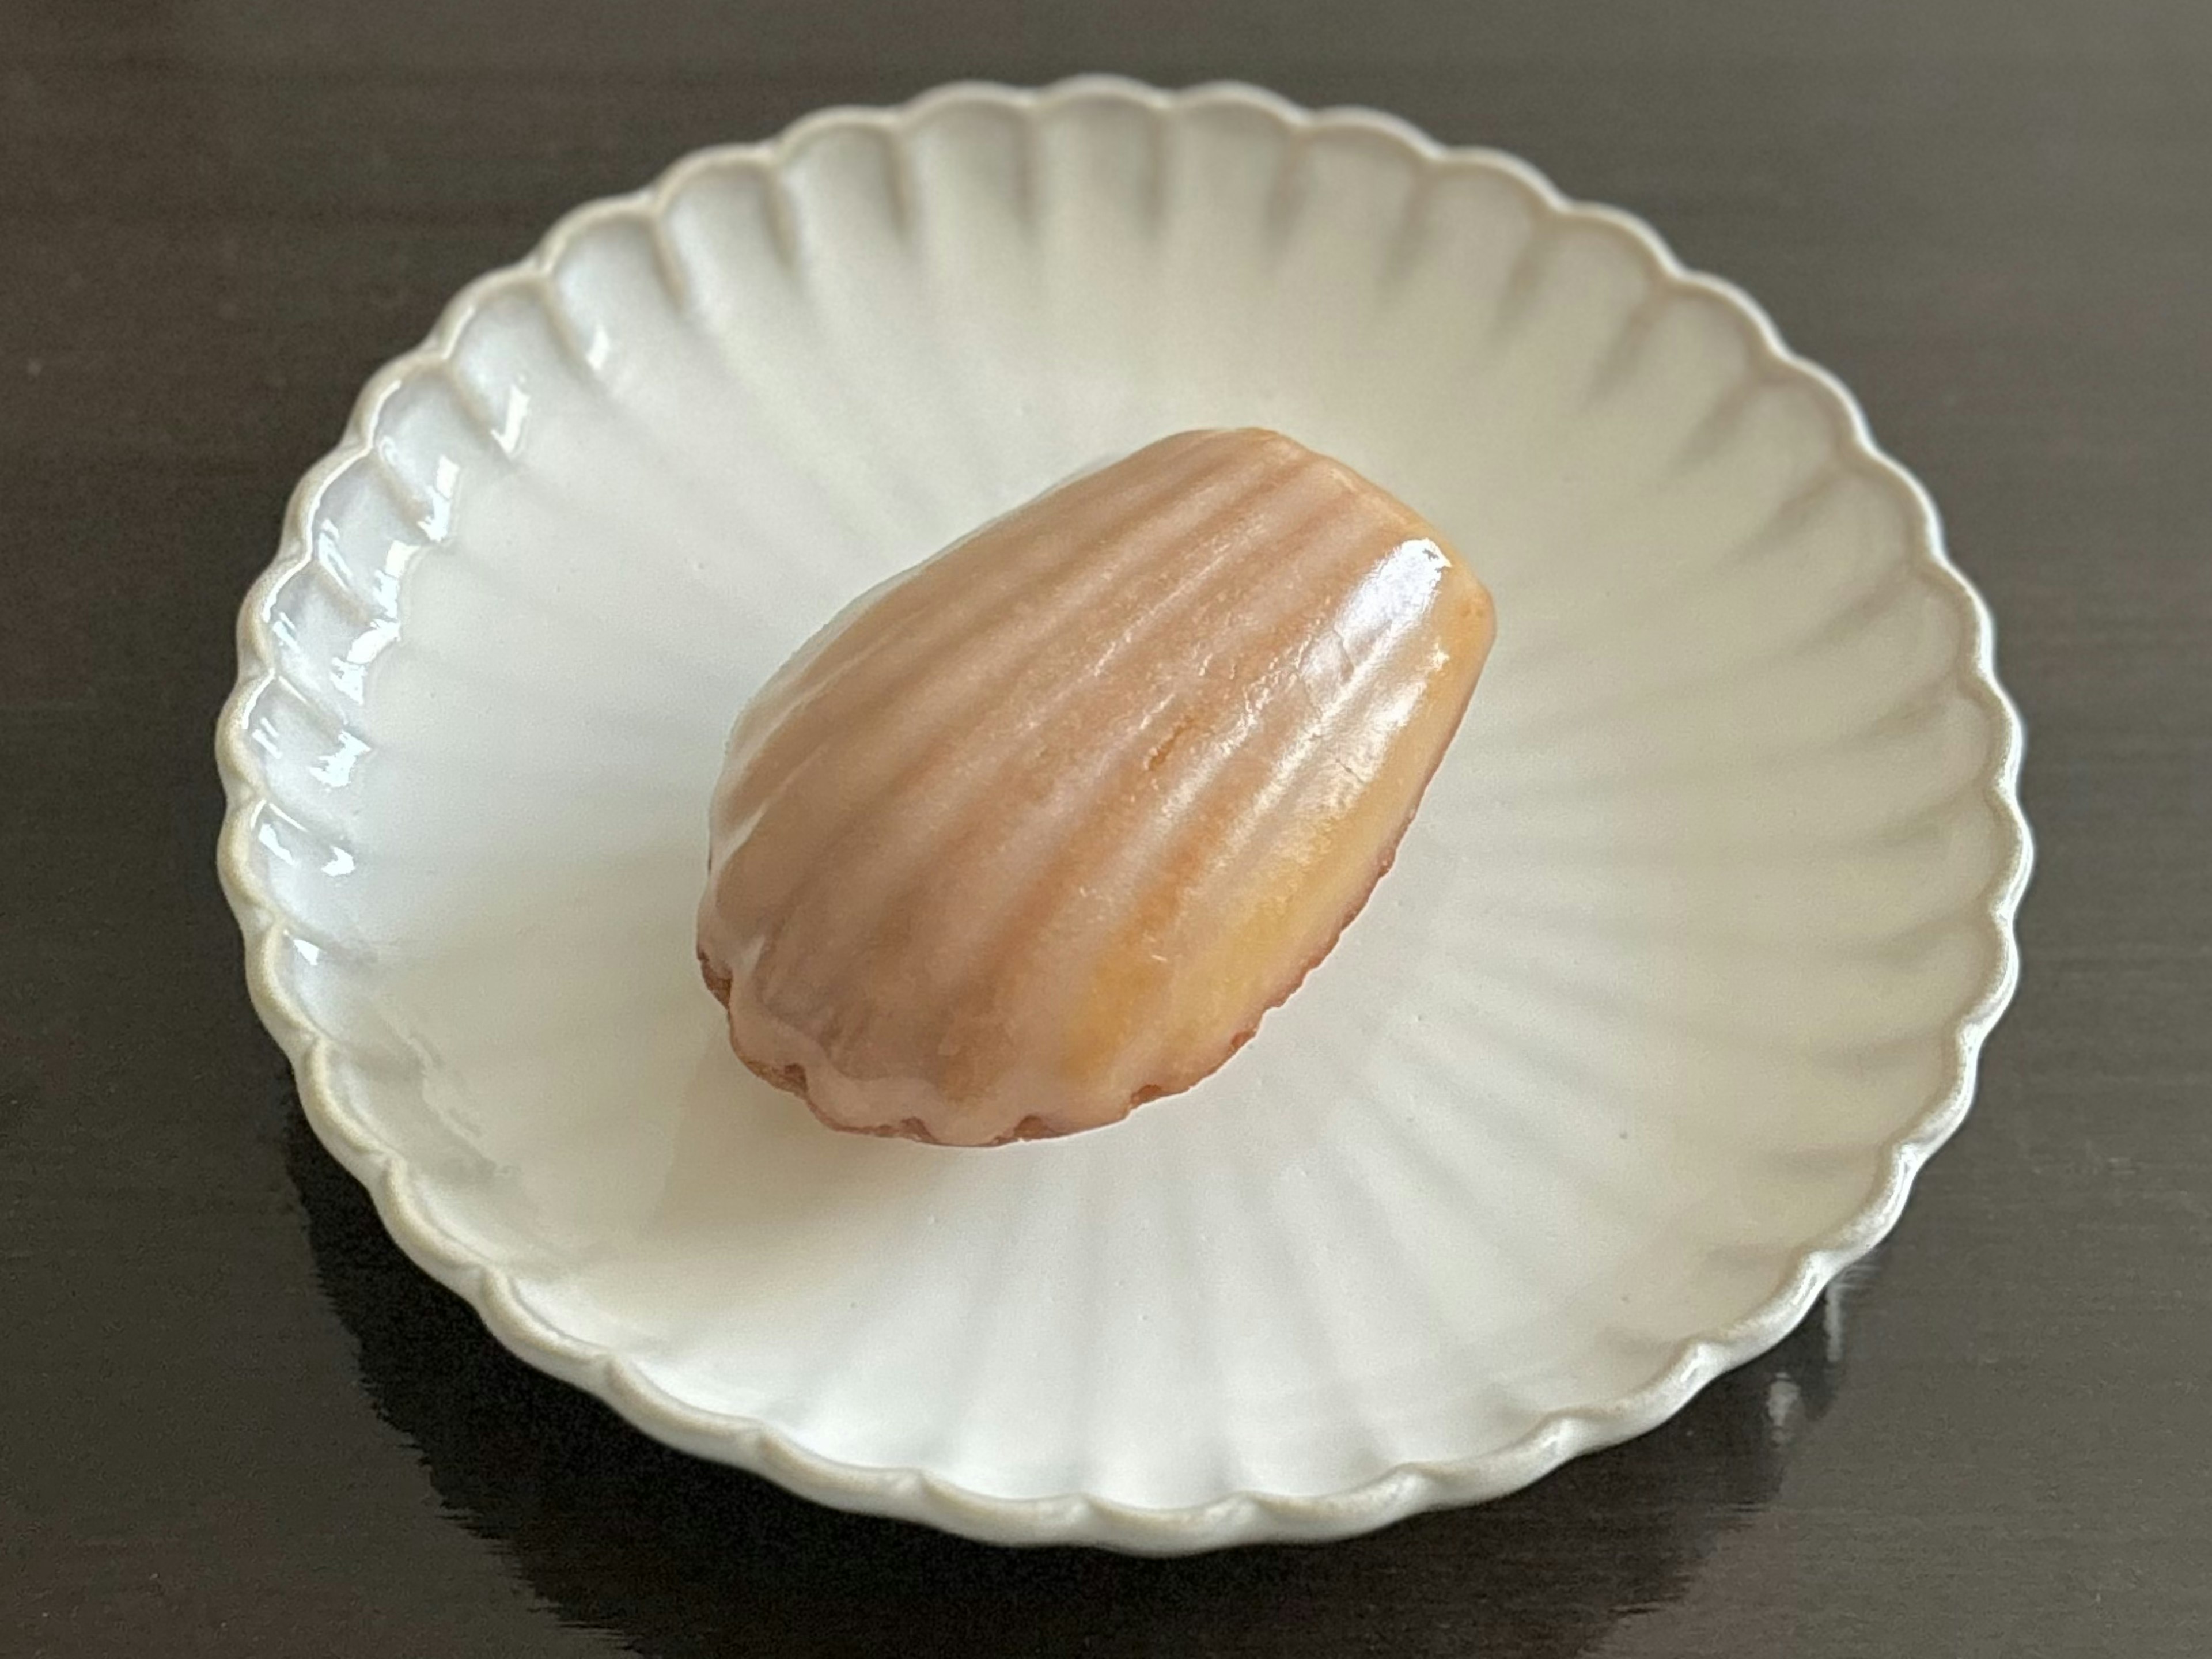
(1663, 1003)
(1038, 831)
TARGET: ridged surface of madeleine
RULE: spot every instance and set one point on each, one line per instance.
(1040, 829)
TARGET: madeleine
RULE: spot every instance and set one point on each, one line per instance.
(1040, 829)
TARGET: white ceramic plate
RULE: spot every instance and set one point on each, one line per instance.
(1681, 975)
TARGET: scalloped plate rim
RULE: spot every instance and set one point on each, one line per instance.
(913, 1493)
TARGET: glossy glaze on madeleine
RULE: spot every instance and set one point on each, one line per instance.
(1041, 829)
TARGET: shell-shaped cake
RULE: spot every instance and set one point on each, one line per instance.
(1040, 829)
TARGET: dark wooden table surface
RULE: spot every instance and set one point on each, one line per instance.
(233, 1420)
